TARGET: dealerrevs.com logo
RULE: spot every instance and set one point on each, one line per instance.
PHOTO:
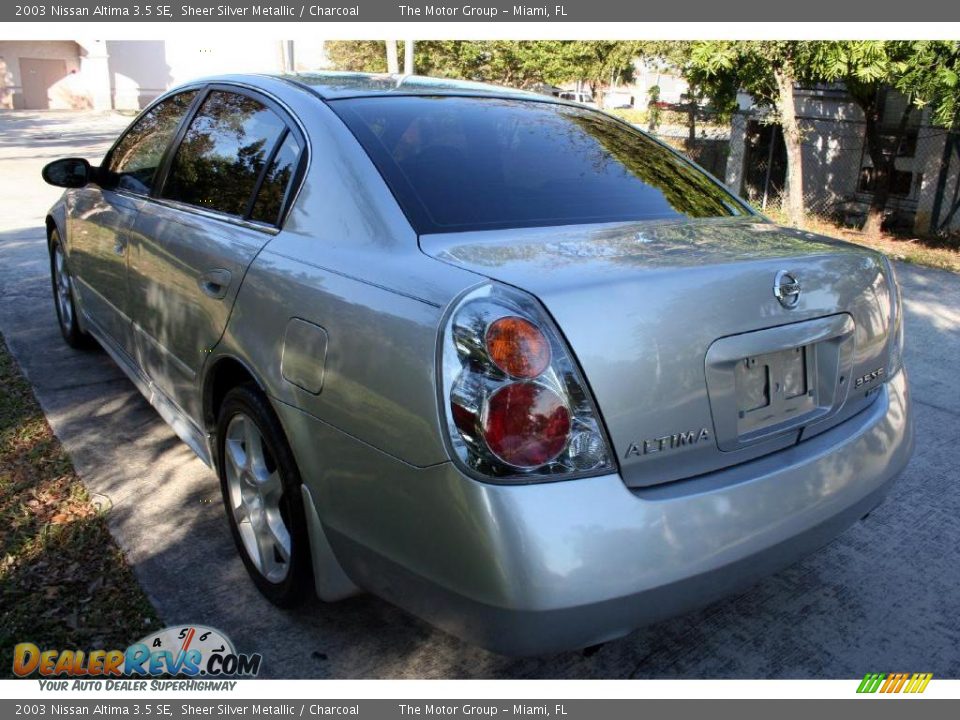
(182, 651)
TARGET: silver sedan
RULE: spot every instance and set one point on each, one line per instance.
(501, 359)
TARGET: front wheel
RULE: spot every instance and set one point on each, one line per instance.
(260, 483)
(63, 298)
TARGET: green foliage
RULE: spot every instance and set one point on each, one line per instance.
(932, 78)
(721, 67)
(863, 66)
(653, 109)
(358, 55)
(927, 71)
(631, 115)
(505, 62)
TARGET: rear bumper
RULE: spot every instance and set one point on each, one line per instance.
(542, 568)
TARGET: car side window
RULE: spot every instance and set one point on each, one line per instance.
(276, 182)
(223, 153)
(136, 158)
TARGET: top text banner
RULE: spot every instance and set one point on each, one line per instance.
(570, 11)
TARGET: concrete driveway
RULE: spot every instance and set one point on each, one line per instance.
(883, 597)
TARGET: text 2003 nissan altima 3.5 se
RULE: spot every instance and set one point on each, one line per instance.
(502, 360)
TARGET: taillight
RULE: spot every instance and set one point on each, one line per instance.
(518, 347)
(516, 406)
(526, 425)
(895, 357)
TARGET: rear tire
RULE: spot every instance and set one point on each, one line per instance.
(260, 483)
(63, 296)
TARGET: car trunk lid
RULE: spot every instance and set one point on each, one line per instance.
(694, 363)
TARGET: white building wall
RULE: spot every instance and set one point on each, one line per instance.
(833, 156)
(143, 69)
(930, 148)
(11, 88)
(188, 60)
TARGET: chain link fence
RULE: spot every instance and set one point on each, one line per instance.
(839, 176)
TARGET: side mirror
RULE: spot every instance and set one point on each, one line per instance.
(68, 173)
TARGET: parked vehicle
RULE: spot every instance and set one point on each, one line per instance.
(614, 100)
(502, 360)
(583, 98)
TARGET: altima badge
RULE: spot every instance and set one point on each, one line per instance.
(786, 289)
(667, 442)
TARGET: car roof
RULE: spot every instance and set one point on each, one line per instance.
(332, 85)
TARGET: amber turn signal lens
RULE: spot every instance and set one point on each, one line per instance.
(518, 347)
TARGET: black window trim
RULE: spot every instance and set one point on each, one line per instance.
(258, 185)
(288, 117)
(105, 163)
(291, 125)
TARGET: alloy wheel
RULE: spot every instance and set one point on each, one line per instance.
(62, 284)
(255, 494)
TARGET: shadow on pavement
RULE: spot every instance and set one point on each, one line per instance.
(884, 595)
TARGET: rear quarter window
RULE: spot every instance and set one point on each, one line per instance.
(457, 164)
(223, 153)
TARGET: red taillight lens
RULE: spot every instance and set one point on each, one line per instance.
(517, 408)
(517, 347)
(526, 425)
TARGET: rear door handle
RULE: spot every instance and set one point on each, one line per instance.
(215, 283)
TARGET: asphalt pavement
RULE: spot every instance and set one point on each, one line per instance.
(883, 597)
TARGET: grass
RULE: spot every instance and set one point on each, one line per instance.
(930, 252)
(64, 583)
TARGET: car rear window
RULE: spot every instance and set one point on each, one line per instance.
(462, 163)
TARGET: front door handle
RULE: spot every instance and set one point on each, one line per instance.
(120, 245)
(215, 283)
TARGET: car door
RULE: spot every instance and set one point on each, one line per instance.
(101, 217)
(222, 198)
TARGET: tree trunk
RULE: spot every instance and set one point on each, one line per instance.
(393, 62)
(408, 58)
(883, 167)
(596, 92)
(792, 140)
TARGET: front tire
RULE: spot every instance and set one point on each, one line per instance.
(63, 296)
(260, 483)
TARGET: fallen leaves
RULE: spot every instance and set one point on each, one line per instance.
(63, 581)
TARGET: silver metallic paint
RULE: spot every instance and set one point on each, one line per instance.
(520, 569)
(641, 304)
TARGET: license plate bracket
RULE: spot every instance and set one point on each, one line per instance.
(765, 386)
(774, 388)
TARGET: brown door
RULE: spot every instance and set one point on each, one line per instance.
(37, 77)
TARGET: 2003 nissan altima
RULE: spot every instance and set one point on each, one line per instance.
(502, 360)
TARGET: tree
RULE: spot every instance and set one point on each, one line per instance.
(867, 68)
(703, 83)
(924, 71)
(768, 70)
(932, 79)
(393, 62)
(505, 62)
(358, 55)
(517, 64)
(597, 62)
